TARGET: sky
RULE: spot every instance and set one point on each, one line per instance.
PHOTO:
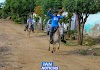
(2, 1)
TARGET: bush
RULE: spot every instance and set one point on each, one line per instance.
(70, 43)
(24, 19)
(14, 17)
(73, 31)
(0, 14)
(4, 16)
(89, 42)
(19, 21)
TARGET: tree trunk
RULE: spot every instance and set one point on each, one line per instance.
(79, 33)
(79, 39)
(83, 26)
(82, 32)
(80, 29)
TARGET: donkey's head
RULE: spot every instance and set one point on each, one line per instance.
(61, 31)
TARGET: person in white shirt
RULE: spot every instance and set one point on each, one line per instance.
(30, 22)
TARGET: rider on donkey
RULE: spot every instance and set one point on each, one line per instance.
(30, 21)
(54, 22)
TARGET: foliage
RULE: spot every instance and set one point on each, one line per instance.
(89, 41)
(81, 8)
(65, 20)
(38, 10)
(73, 32)
(18, 8)
(71, 43)
(18, 20)
(46, 4)
(46, 18)
(14, 17)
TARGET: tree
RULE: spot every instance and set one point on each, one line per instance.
(69, 20)
(18, 8)
(38, 10)
(81, 8)
(46, 4)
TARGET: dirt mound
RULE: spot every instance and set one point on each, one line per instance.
(9, 18)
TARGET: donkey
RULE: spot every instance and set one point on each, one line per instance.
(56, 39)
(29, 29)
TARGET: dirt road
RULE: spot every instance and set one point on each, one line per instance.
(19, 52)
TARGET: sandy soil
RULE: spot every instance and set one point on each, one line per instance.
(19, 52)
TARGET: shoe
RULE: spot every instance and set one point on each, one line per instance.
(51, 41)
(64, 41)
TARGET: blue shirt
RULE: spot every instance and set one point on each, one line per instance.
(54, 19)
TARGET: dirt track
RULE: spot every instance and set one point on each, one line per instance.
(19, 52)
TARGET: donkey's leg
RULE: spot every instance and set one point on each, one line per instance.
(59, 44)
(49, 46)
(53, 48)
(32, 28)
(29, 31)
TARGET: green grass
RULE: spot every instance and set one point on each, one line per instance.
(89, 42)
(70, 43)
